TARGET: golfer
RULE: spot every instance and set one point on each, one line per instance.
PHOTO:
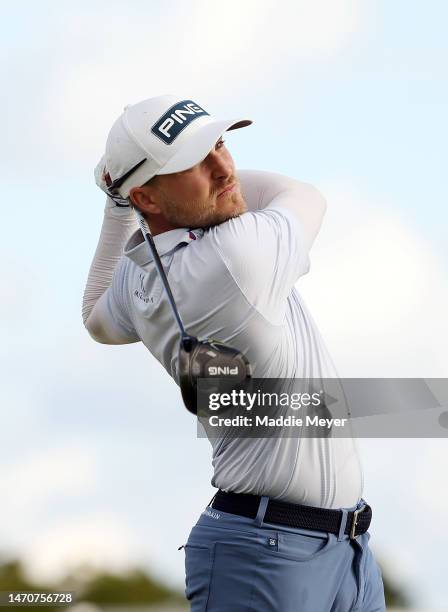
(287, 529)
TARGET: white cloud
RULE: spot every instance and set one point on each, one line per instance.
(432, 495)
(377, 290)
(18, 282)
(40, 478)
(100, 541)
(263, 32)
(203, 49)
(404, 486)
(313, 29)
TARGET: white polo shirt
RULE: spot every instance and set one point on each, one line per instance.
(235, 282)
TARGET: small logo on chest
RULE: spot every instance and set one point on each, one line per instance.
(141, 292)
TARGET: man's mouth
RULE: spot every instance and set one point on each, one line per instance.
(227, 189)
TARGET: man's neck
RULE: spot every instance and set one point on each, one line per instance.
(159, 226)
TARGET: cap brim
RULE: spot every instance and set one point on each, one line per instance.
(199, 145)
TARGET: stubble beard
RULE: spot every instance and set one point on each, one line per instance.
(204, 213)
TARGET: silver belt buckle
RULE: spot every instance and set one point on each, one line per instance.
(355, 522)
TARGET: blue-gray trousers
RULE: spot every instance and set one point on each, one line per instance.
(238, 564)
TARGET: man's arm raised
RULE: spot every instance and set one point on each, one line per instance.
(119, 223)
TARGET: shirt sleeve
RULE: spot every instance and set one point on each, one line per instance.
(104, 309)
(110, 321)
(266, 250)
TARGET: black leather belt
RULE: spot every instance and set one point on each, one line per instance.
(295, 515)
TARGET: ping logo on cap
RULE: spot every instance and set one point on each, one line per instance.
(176, 119)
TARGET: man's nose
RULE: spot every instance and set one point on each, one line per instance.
(221, 167)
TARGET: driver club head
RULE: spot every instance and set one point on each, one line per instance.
(208, 359)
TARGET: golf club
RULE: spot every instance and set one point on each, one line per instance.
(207, 358)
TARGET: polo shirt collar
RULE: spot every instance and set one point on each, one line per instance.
(138, 251)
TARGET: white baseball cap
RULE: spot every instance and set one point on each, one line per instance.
(160, 136)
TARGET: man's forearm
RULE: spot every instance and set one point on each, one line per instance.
(269, 190)
(118, 225)
(261, 188)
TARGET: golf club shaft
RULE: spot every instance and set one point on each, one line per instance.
(152, 247)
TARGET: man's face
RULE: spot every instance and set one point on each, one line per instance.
(207, 194)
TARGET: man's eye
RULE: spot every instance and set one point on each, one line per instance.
(220, 143)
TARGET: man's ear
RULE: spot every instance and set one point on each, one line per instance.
(143, 199)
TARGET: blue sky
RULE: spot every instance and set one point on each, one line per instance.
(350, 95)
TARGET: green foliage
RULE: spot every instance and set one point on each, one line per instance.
(134, 588)
(395, 597)
(12, 578)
